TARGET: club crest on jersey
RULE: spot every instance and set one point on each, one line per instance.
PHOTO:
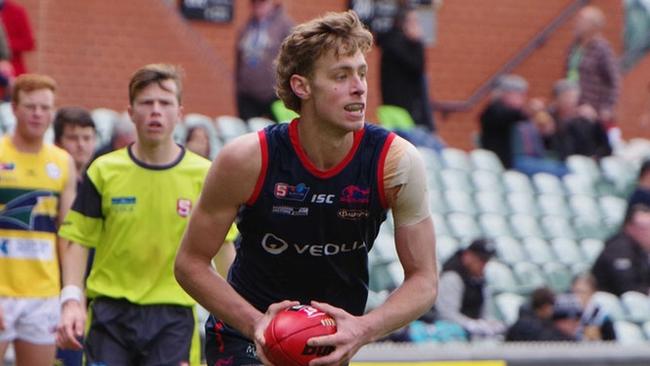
(286, 191)
(7, 167)
(355, 194)
(183, 207)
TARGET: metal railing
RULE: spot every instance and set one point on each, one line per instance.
(450, 106)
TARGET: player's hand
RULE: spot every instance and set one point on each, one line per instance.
(263, 322)
(351, 334)
(71, 326)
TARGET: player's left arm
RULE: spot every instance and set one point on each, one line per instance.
(65, 202)
(406, 194)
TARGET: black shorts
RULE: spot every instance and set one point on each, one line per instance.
(123, 334)
(224, 345)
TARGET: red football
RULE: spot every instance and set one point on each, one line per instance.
(287, 334)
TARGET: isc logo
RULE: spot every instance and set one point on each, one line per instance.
(317, 350)
(322, 198)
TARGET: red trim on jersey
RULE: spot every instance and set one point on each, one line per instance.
(304, 159)
(263, 169)
(380, 170)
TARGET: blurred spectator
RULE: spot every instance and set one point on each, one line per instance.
(19, 32)
(641, 194)
(75, 132)
(462, 297)
(122, 136)
(257, 46)
(6, 68)
(595, 324)
(579, 131)
(591, 63)
(535, 318)
(507, 107)
(403, 73)
(636, 42)
(200, 139)
(623, 264)
(566, 318)
(529, 153)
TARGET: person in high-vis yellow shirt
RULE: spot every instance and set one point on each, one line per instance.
(133, 207)
(37, 186)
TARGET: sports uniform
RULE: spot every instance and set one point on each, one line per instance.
(305, 233)
(134, 215)
(30, 186)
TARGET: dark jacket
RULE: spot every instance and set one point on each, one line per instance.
(403, 75)
(497, 122)
(530, 327)
(622, 266)
(472, 303)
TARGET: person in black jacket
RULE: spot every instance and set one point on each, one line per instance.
(462, 295)
(506, 109)
(534, 321)
(624, 264)
(403, 75)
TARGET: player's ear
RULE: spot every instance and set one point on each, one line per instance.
(300, 86)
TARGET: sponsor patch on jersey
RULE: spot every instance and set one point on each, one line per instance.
(353, 214)
(183, 207)
(291, 211)
(52, 171)
(7, 167)
(286, 191)
(123, 204)
(355, 194)
(276, 245)
(22, 248)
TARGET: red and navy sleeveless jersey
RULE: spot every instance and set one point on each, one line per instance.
(306, 233)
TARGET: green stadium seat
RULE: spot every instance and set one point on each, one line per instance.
(494, 225)
(509, 250)
(529, 276)
(446, 246)
(628, 333)
(584, 166)
(538, 250)
(463, 227)
(499, 277)
(460, 201)
(491, 202)
(523, 203)
(485, 180)
(558, 276)
(515, 181)
(230, 127)
(609, 303)
(259, 123)
(508, 305)
(456, 159)
(557, 227)
(393, 117)
(567, 251)
(591, 249)
(281, 113)
(547, 183)
(456, 180)
(579, 184)
(524, 226)
(637, 306)
(486, 160)
(553, 204)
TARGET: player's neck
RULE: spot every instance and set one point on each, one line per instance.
(156, 153)
(325, 146)
(22, 144)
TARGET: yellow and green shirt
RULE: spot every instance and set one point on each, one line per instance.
(135, 214)
(30, 186)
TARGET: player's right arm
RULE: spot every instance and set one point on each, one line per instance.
(231, 181)
(82, 224)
